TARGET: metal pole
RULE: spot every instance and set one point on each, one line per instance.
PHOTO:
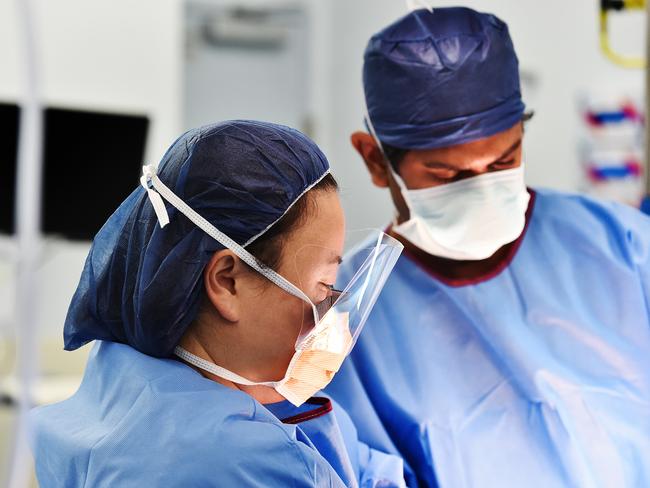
(28, 203)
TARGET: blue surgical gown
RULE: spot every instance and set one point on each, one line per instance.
(142, 421)
(537, 377)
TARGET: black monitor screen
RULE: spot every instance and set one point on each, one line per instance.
(9, 117)
(92, 161)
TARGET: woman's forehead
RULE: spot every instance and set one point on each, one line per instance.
(322, 234)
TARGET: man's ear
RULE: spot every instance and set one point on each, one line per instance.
(367, 148)
(222, 279)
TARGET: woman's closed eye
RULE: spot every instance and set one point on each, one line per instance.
(328, 302)
(325, 291)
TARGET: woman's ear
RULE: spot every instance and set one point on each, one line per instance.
(367, 148)
(222, 281)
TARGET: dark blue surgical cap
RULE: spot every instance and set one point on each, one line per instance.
(440, 79)
(141, 285)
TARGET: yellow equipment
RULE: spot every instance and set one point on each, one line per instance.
(607, 6)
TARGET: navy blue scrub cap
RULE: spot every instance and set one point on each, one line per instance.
(141, 284)
(441, 78)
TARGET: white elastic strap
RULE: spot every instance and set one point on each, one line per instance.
(412, 5)
(263, 231)
(149, 174)
(154, 198)
(218, 370)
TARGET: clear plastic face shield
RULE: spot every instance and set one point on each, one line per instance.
(329, 332)
(325, 341)
(351, 302)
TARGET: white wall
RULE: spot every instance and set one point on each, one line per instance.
(556, 39)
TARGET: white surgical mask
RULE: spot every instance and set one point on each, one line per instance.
(319, 351)
(469, 219)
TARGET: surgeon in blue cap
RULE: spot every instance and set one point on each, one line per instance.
(195, 292)
(511, 345)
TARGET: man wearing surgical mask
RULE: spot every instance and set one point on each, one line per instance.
(511, 345)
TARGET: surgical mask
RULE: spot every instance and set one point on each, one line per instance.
(466, 220)
(469, 219)
(320, 348)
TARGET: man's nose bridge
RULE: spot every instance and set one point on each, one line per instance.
(476, 167)
(479, 164)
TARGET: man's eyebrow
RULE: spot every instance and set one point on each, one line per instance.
(336, 259)
(511, 149)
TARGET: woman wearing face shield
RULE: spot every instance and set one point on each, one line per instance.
(209, 295)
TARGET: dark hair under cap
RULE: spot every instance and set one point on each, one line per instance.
(141, 285)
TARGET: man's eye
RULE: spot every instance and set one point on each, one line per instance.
(443, 174)
(444, 178)
(502, 164)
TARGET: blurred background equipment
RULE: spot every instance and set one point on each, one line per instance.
(612, 147)
(618, 183)
(606, 7)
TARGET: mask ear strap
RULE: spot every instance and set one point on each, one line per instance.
(151, 178)
(216, 370)
(396, 177)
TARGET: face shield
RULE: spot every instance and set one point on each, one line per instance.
(350, 302)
